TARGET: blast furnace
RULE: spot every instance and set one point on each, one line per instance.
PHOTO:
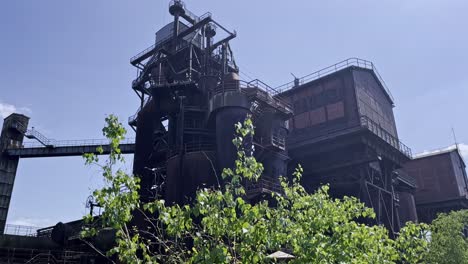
(191, 97)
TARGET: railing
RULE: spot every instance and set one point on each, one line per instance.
(74, 143)
(218, 58)
(192, 147)
(56, 257)
(34, 134)
(276, 140)
(205, 15)
(264, 183)
(160, 42)
(134, 116)
(332, 69)
(45, 232)
(262, 92)
(259, 84)
(406, 177)
(271, 93)
(385, 135)
(20, 230)
(140, 54)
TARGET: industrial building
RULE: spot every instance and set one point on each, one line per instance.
(442, 183)
(344, 133)
(337, 122)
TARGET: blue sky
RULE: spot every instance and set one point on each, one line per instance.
(66, 64)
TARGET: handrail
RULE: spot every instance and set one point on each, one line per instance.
(264, 182)
(55, 256)
(134, 116)
(73, 143)
(257, 88)
(192, 147)
(20, 230)
(334, 68)
(385, 135)
(34, 134)
(205, 15)
(164, 40)
(402, 174)
(260, 84)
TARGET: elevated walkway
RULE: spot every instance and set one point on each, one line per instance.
(67, 148)
(45, 147)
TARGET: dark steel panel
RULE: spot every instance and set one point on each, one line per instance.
(460, 173)
(225, 131)
(435, 177)
(372, 100)
(323, 105)
(407, 208)
(187, 173)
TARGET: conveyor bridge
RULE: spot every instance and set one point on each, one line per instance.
(45, 147)
(57, 148)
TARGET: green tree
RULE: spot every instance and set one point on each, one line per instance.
(448, 242)
(220, 226)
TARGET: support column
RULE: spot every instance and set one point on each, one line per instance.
(14, 127)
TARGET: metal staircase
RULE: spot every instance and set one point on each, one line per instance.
(34, 134)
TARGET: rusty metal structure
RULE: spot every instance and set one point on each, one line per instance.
(442, 183)
(12, 136)
(191, 97)
(337, 122)
(344, 134)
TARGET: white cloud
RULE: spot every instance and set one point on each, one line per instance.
(463, 148)
(8, 109)
(28, 221)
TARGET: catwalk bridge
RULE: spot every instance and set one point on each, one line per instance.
(45, 147)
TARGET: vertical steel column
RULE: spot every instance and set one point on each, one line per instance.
(14, 127)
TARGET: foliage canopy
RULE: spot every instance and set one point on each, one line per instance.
(221, 226)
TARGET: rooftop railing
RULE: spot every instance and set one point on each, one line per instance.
(332, 69)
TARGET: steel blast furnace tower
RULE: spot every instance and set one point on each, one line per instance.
(191, 97)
